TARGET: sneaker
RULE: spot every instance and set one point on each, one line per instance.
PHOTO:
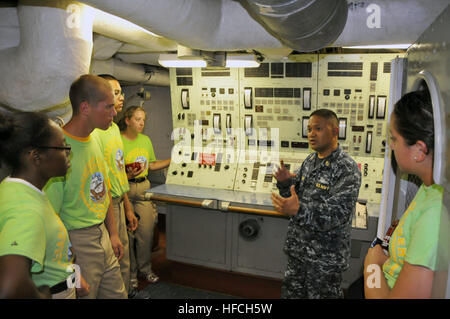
(143, 294)
(152, 277)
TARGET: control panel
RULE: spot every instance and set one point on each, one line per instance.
(356, 88)
(257, 176)
(233, 125)
(276, 99)
(205, 108)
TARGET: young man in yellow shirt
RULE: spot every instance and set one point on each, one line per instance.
(112, 147)
(82, 197)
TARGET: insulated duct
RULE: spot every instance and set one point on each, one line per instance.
(198, 24)
(55, 48)
(302, 25)
(127, 32)
(133, 73)
(224, 25)
(379, 22)
(104, 47)
(146, 58)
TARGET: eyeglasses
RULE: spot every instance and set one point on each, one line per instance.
(67, 148)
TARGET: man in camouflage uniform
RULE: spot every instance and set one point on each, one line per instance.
(320, 199)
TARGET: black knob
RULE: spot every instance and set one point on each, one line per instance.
(249, 229)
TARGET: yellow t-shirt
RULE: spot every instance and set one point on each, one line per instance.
(139, 150)
(81, 197)
(30, 227)
(416, 237)
(112, 146)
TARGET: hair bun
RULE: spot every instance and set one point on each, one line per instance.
(7, 127)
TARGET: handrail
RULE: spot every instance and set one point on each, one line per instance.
(175, 200)
(255, 211)
(238, 209)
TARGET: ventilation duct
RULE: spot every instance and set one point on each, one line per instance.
(54, 50)
(224, 25)
(302, 25)
(218, 25)
(133, 73)
(128, 32)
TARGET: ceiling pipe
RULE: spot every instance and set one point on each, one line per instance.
(104, 48)
(145, 58)
(132, 73)
(379, 22)
(224, 25)
(302, 25)
(55, 48)
(131, 48)
(198, 24)
(9, 28)
(128, 32)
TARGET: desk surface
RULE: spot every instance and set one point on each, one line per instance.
(211, 193)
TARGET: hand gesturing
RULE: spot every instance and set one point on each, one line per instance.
(289, 205)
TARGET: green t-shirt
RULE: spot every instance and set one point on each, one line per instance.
(415, 239)
(139, 150)
(112, 145)
(81, 197)
(30, 227)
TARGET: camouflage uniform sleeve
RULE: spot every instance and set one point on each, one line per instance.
(324, 213)
(283, 187)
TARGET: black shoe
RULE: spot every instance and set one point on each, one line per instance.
(143, 294)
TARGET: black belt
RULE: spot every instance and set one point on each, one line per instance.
(137, 180)
(62, 286)
(120, 199)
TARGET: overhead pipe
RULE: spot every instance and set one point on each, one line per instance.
(127, 32)
(55, 48)
(146, 58)
(56, 41)
(131, 48)
(105, 48)
(198, 24)
(302, 25)
(9, 28)
(298, 24)
(134, 73)
(379, 22)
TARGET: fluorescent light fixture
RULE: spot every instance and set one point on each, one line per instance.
(241, 61)
(173, 61)
(232, 61)
(381, 46)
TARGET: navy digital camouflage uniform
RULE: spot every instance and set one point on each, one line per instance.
(318, 237)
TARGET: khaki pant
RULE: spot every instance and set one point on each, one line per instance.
(69, 293)
(141, 240)
(119, 214)
(98, 264)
